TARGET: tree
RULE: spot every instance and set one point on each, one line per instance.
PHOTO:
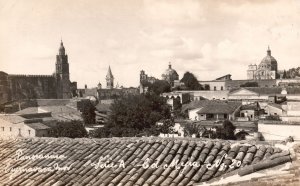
(284, 76)
(70, 129)
(136, 115)
(249, 84)
(226, 131)
(159, 86)
(191, 82)
(167, 126)
(206, 87)
(88, 112)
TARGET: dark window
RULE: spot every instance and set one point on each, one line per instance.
(215, 88)
(221, 87)
(29, 132)
(2, 128)
(10, 129)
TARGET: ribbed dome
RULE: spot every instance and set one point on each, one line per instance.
(170, 72)
(268, 62)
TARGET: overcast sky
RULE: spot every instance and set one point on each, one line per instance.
(208, 38)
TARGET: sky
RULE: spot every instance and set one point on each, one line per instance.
(208, 38)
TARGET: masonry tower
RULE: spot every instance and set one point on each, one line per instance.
(62, 74)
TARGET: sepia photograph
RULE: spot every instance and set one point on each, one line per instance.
(149, 93)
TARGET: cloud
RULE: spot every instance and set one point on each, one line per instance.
(208, 38)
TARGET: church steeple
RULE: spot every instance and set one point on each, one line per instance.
(62, 74)
(269, 51)
(61, 49)
(109, 79)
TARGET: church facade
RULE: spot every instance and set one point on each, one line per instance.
(22, 87)
(170, 75)
(267, 69)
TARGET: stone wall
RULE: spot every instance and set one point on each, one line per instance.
(32, 87)
(277, 131)
(4, 88)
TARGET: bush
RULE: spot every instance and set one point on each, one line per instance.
(70, 129)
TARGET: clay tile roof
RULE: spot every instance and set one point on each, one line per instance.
(12, 118)
(37, 126)
(82, 156)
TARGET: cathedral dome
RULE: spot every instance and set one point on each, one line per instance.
(170, 75)
(170, 72)
(268, 62)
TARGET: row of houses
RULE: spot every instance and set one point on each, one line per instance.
(244, 105)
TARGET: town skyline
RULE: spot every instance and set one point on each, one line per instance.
(202, 37)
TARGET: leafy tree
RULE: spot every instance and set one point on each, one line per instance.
(136, 115)
(191, 82)
(192, 128)
(206, 87)
(226, 131)
(70, 129)
(88, 112)
(159, 86)
(284, 76)
(249, 84)
(167, 126)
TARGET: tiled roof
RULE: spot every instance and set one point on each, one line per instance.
(12, 118)
(219, 109)
(270, 90)
(52, 102)
(29, 110)
(253, 106)
(37, 126)
(134, 152)
(58, 112)
(204, 103)
(275, 105)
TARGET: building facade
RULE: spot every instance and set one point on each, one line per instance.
(267, 69)
(170, 75)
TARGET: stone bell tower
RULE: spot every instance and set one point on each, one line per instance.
(62, 74)
(109, 79)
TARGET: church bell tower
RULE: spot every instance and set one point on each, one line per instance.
(62, 74)
(109, 79)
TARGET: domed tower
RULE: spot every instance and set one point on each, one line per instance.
(268, 67)
(170, 75)
(109, 79)
(62, 74)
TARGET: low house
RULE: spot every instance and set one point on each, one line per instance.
(273, 109)
(249, 112)
(13, 126)
(213, 110)
(58, 112)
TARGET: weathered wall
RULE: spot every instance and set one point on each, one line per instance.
(32, 87)
(279, 131)
(4, 88)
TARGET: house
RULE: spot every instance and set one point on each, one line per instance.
(13, 126)
(249, 112)
(213, 110)
(263, 94)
